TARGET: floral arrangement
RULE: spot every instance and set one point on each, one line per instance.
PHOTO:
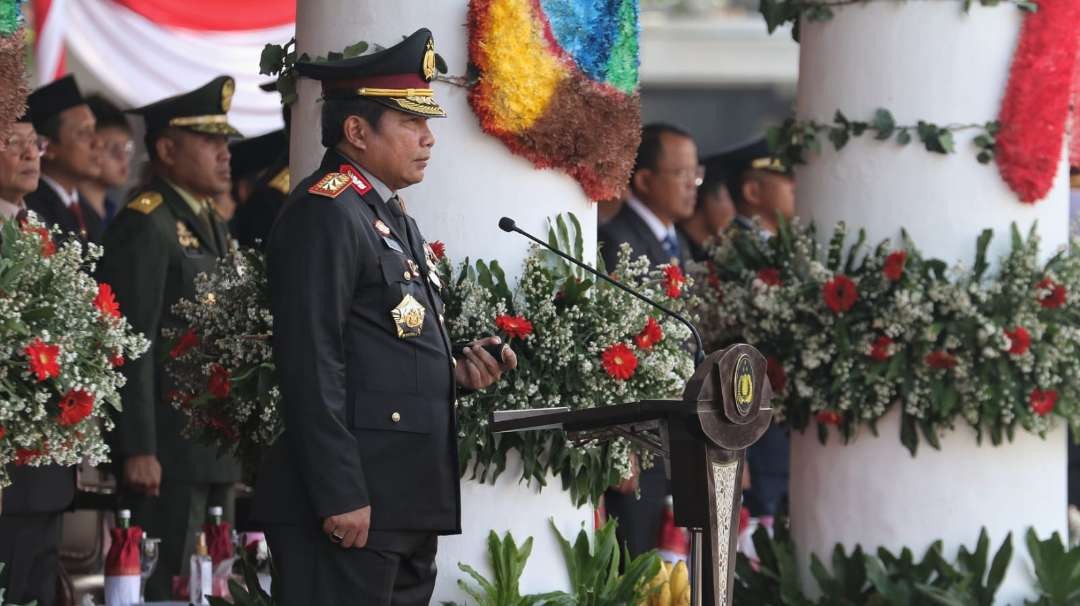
(223, 364)
(12, 66)
(62, 342)
(1035, 109)
(580, 344)
(848, 336)
(557, 83)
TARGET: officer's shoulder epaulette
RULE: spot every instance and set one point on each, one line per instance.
(331, 185)
(280, 182)
(146, 202)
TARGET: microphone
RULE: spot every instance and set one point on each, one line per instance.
(509, 225)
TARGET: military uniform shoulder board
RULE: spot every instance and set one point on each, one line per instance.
(146, 202)
(280, 182)
(331, 185)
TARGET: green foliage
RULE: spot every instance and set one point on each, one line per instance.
(775, 579)
(793, 139)
(508, 562)
(1057, 570)
(594, 569)
(250, 593)
(777, 13)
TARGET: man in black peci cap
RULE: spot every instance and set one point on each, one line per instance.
(261, 181)
(155, 247)
(365, 477)
(61, 115)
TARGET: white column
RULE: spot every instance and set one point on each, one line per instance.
(471, 181)
(922, 61)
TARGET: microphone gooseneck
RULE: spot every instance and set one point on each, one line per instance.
(508, 225)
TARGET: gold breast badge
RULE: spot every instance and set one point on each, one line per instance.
(408, 317)
(185, 237)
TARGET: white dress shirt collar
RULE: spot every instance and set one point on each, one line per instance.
(656, 226)
(68, 198)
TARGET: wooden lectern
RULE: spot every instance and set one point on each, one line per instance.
(724, 409)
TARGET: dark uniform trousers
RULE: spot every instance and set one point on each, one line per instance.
(33, 508)
(368, 411)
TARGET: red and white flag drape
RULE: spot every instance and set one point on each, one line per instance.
(140, 51)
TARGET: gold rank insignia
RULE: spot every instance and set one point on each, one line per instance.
(280, 182)
(381, 227)
(331, 185)
(146, 202)
(185, 237)
(408, 317)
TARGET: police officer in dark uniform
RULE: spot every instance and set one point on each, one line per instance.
(154, 248)
(763, 191)
(60, 114)
(365, 477)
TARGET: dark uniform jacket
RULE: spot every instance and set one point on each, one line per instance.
(627, 226)
(369, 416)
(51, 210)
(154, 249)
(257, 214)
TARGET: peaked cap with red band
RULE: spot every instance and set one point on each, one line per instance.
(398, 77)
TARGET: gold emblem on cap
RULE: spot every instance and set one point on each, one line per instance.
(429, 60)
(744, 384)
(227, 90)
(408, 317)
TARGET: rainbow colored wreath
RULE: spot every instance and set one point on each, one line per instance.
(558, 84)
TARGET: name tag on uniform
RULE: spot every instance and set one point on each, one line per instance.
(393, 244)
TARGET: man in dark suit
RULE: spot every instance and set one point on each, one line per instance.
(33, 505)
(365, 477)
(261, 180)
(62, 116)
(714, 211)
(155, 247)
(663, 191)
(763, 191)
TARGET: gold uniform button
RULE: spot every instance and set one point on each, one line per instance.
(408, 276)
(396, 417)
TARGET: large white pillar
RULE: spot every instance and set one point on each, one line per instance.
(471, 181)
(923, 61)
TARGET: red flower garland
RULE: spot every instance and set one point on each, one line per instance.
(74, 407)
(840, 294)
(673, 281)
(43, 359)
(650, 335)
(1036, 104)
(881, 349)
(770, 276)
(1055, 296)
(619, 361)
(894, 265)
(1042, 401)
(105, 301)
(1019, 340)
(515, 327)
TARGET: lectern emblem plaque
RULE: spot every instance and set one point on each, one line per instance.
(744, 384)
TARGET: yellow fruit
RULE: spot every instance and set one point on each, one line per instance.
(664, 597)
(682, 599)
(660, 579)
(679, 581)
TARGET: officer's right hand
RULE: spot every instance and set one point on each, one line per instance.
(351, 528)
(143, 474)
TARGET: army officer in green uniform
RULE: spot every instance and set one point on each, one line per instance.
(365, 477)
(165, 236)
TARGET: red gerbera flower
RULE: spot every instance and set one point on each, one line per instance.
(650, 335)
(881, 349)
(43, 359)
(770, 276)
(117, 360)
(48, 247)
(105, 301)
(828, 417)
(894, 265)
(673, 281)
(439, 249)
(1042, 401)
(187, 340)
(1054, 296)
(840, 294)
(515, 327)
(74, 407)
(1019, 340)
(774, 370)
(25, 456)
(3, 432)
(619, 361)
(940, 360)
(218, 385)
